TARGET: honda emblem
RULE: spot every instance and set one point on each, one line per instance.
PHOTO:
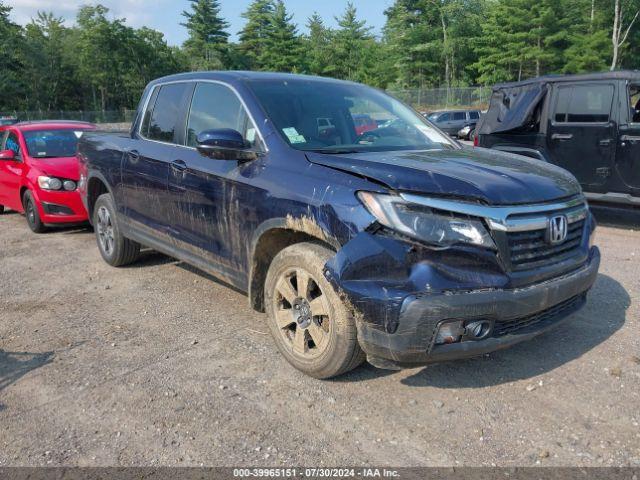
(558, 227)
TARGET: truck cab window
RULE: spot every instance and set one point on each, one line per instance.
(217, 106)
(165, 115)
(584, 104)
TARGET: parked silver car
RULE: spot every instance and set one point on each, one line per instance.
(452, 121)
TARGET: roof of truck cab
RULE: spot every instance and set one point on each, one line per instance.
(52, 125)
(615, 75)
(239, 75)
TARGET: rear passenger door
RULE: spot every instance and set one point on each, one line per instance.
(582, 134)
(459, 121)
(628, 155)
(210, 196)
(145, 166)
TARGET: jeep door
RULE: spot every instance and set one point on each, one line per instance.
(628, 156)
(145, 166)
(214, 204)
(582, 134)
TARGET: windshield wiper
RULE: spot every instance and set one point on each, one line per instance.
(332, 151)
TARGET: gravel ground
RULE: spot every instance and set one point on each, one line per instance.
(158, 364)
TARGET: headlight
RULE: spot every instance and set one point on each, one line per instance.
(424, 224)
(50, 183)
(69, 185)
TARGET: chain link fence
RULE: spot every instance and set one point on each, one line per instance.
(101, 117)
(432, 99)
(424, 99)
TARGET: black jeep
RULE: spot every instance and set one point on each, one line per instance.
(588, 124)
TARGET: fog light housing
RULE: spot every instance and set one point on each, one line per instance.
(478, 329)
(449, 332)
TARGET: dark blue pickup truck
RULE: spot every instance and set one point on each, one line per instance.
(395, 244)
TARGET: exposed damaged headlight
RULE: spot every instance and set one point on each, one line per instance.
(436, 228)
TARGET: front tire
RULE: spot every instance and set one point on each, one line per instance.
(32, 214)
(1, 209)
(312, 327)
(115, 249)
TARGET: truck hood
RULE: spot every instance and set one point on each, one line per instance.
(490, 176)
(61, 167)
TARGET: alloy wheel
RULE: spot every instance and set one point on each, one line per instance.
(104, 228)
(302, 313)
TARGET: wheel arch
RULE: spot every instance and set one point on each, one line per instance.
(97, 185)
(272, 237)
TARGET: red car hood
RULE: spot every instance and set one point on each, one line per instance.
(61, 167)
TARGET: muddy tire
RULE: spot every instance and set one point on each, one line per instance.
(115, 249)
(31, 213)
(310, 324)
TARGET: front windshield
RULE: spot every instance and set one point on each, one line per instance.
(337, 117)
(52, 143)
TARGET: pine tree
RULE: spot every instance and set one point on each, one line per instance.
(282, 45)
(413, 34)
(207, 42)
(351, 46)
(318, 45)
(253, 36)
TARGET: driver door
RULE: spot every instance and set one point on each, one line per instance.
(11, 172)
(209, 196)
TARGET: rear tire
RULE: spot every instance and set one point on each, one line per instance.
(115, 249)
(32, 214)
(312, 327)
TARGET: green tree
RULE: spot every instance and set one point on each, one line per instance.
(589, 38)
(258, 16)
(318, 45)
(49, 63)
(352, 47)
(521, 39)
(413, 35)
(12, 80)
(282, 50)
(207, 42)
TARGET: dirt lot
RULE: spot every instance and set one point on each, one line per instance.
(158, 364)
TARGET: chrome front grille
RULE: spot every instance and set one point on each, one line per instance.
(530, 249)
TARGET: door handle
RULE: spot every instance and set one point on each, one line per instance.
(629, 138)
(134, 155)
(561, 136)
(605, 143)
(179, 165)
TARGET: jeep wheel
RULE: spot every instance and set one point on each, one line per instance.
(32, 214)
(115, 249)
(311, 326)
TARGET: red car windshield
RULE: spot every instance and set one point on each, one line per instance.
(52, 143)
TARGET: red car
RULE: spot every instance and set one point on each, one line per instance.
(39, 172)
(364, 123)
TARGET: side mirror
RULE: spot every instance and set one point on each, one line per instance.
(225, 144)
(7, 155)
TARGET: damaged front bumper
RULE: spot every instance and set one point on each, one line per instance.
(403, 302)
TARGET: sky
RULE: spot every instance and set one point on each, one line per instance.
(164, 15)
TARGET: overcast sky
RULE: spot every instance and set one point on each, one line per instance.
(164, 15)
